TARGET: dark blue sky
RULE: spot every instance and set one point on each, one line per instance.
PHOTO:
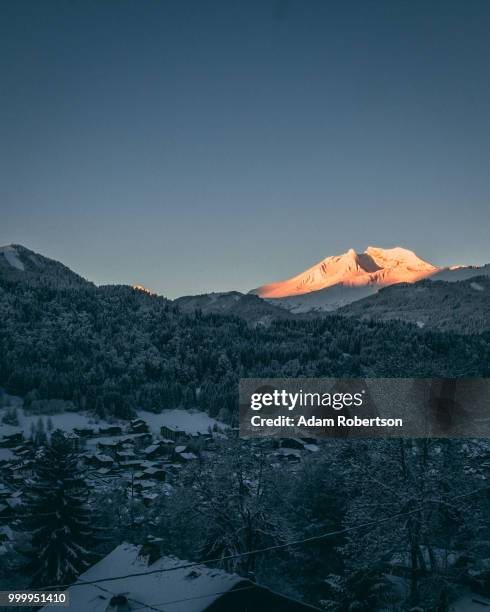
(198, 146)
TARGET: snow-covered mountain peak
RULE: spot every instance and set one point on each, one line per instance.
(397, 257)
(376, 266)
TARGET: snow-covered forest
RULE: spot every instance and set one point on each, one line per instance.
(87, 462)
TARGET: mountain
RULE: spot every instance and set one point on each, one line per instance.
(461, 306)
(373, 267)
(18, 264)
(458, 273)
(339, 280)
(246, 306)
(143, 289)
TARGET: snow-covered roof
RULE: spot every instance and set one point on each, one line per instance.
(313, 448)
(151, 449)
(104, 458)
(188, 456)
(179, 590)
(289, 452)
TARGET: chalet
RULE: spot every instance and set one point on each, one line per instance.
(154, 450)
(14, 438)
(142, 440)
(149, 498)
(100, 460)
(155, 473)
(172, 432)
(186, 457)
(74, 440)
(23, 470)
(111, 430)
(84, 432)
(125, 455)
(170, 585)
(138, 426)
(134, 464)
(108, 444)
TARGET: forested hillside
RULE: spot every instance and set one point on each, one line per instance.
(461, 306)
(114, 349)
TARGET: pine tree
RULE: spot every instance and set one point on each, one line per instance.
(57, 517)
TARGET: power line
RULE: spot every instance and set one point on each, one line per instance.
(267, 548)
(143, 606)
(174, 601)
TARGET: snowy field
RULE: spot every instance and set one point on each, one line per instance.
(65, 421)
(190, 421)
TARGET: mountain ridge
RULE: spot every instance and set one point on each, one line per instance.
(20, 264)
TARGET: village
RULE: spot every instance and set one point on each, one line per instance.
(144, 456)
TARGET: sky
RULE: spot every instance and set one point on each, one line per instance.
(212, 146)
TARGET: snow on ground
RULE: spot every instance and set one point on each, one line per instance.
(190, 421)
(11, 256)
(476, 287)
(65, 421)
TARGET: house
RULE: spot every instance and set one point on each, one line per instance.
(186, 457)
(12, 439)
(168, 583)
(155, 473)
(74, 440)
(23, 470)
(142, 440)
(109, 444)
(100, 460)
(84, 432)
(125, 455)
(111, 430)
(172, 432)
(138, 426)
(154, 450)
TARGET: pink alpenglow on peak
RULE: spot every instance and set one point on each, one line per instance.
(375, 266)
(143, 289)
